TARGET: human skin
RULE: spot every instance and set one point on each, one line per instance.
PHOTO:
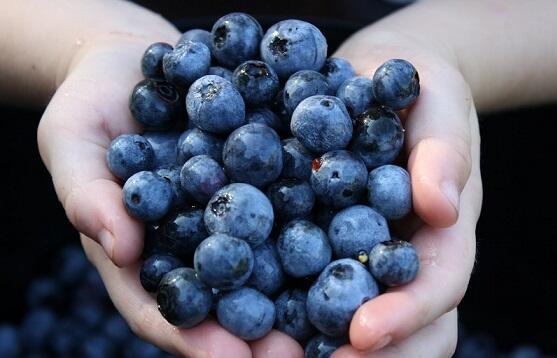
(85, 59)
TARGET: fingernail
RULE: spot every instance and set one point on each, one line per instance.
(107, 241)
(451, 192)
(382, 342)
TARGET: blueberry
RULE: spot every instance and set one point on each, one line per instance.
(267, 117)
(221, 72)
(89, 313)
(396, 84)
(196, 35)
(390, 191)
(354, 231)
(43, 291)
(235, 38)
(292, 316)
(96, 346)
(256, 81)
(394, 263)
(253, 154)
(223, 262)
(214, 105)
(526, 351)
(201, 177)
(378, 136)
(301, 85)
(147, 196)
(183, 231)
(296, 160)
(154, 268)
(183, 299)
(246, 313)
(117, 329)
(72, 266)
(267, 275)
(293, 45)
(129, 154)
(337, 70)
(186, 63)
(9, 341)
(338, 178)
(357, 95)
(138, 348)
(172, 175)
(151, 62)
(342, 287)
(322, 124)
(164, 144)
(303, 248)
(196, 142)
(322, 346)
(157, 105)
(323, 215)
(67, 335)
(291, 199)
(242, 211)
(36, 328)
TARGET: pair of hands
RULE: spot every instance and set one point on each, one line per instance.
(90, 108)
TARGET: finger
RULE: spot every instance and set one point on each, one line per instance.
(435, 340)
(276, 345)
(139, 309)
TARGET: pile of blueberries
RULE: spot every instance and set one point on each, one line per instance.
(70, 315)
(265, 180)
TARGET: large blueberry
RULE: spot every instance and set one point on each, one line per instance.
(342, 287)
(378, 136)
(242, 211)
(321, 124)
(186, 63)
(267, 275)
(151, 62)
(172, 175)
(267, 117)
(396, 84)
(235, 38)
(301, 85)
(201, 177)
(394, 263)
(292, 317)
(221, 72)
(337, 70)
(246, 313)
(357, 94)
(390, 191)
(256, 81)
(214, 105)
(252, 154)
(195, 35)
(354, 231)
(303, 248)
(154, 268)
(291, 199)
(197, 142)
(164, 144)
(338, 178)
(9, 341)
(147, 196)
(157, 105)
(182, 232)
(296, 160)
(129, 154)
(293, 45)
(322, 346)
(36, 328)
(223, 262)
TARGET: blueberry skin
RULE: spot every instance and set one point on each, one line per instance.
(172, 175)
(293, 45)
(221, 72)
(246, 313)
(356, 229)
(394, 263)
(322, 346)
(292, 317)
(338, 178)
(303, 248)
(267, 117)
(186, 63)
(390, 191)
(147, 196)
(129, 154)
(197, 142)
(201, 177)
(196, 35)
(357, 94)
(321, 124)
(342, 287)
(267, 275)
(36, 328)
(164, 144)
(396, 84)
(301, 85)
(223, 262)
(182, 232)
(235, 39)
(214, 105)
(253, 154)
(157, 105)
(183, 300)
(256, 81)
(242, 211)
(337, 70)
(296, 160)
(9, 341)
(291, 199)
(378, 136)
(151, 62)
(96, 346)
(154, 268)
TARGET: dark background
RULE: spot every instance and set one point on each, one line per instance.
(511, 294)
